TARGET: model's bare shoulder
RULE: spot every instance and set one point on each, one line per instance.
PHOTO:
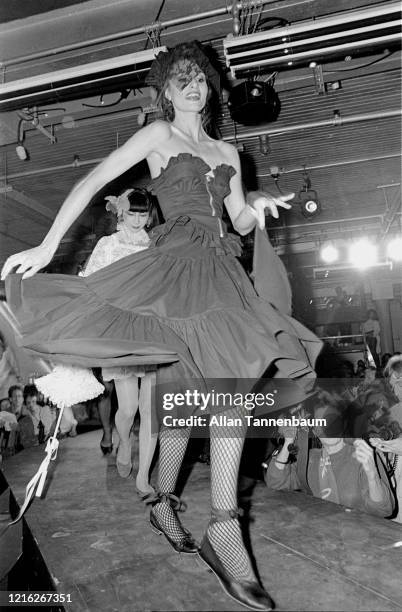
(159, 131)
(229, 154)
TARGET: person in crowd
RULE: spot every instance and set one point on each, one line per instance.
(384, 360)
(185, 303)
(23, 435)
(16, 398)
(5, 404)
(360, 369)
(42, 417)
(389, 437)
(371, 330)
(9, 374)
(350, 474)
(392, 450)
(8, 427)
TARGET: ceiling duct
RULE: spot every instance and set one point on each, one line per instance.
(351, 33)
(105, 76)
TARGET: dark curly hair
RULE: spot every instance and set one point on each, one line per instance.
(161, 70)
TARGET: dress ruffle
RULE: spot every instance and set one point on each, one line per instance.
(69, 385)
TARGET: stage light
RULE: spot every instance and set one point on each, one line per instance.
(363, 253)
(329, 253)
(21, 151)
(254, 102)
(308, 198)
(394, 249)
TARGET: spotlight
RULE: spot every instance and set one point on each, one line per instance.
(329, 253)
(363, 253)
(394, 249)
(21, 151)
(308, 198)
(253, 102)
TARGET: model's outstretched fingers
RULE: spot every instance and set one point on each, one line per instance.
(287, 196)
(272, 208)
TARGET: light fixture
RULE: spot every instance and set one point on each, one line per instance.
(21, 151)
(82, 81)
(394, 248)
(363, 253)
(329, 253)
(254, 102)
(352, 32)
(308, 199)
(264, 144)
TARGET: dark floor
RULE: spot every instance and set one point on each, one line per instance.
(93, 533)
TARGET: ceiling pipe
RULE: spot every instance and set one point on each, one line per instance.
(159, 25)
(340, 163)
(335, 122)
(291, 128)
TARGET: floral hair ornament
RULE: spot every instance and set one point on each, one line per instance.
(119, 204)
(163, 65)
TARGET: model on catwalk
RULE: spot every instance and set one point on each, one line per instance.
(185, 303)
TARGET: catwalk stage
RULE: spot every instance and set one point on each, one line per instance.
(90, 537)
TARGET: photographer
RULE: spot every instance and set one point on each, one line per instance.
(393, 447)
(352, 475)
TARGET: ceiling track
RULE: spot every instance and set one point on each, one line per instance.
(159, 25)
(287, 129)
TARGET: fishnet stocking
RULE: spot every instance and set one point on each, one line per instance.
(173, 444)
(225, 536)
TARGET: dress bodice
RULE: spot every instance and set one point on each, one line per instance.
(186, 187)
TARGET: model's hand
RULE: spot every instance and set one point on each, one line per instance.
(388, 446)
(261, 200)
(28, 262)
(365, 455)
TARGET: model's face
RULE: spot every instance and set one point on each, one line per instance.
(135, 221)
(187, 88)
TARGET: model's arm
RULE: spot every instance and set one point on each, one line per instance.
(137, 148)
(245, 215)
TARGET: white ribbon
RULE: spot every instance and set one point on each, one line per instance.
(37, 482)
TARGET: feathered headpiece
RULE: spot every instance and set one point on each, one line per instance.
(118, 204)
(162, 65)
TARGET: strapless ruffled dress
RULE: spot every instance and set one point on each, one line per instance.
(185, 303)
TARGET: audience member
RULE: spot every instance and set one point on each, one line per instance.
(384, 360)
(371, 330)
(42, 417)
(9, 374)
(352, 475)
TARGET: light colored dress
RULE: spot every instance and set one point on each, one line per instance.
(108, 250)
